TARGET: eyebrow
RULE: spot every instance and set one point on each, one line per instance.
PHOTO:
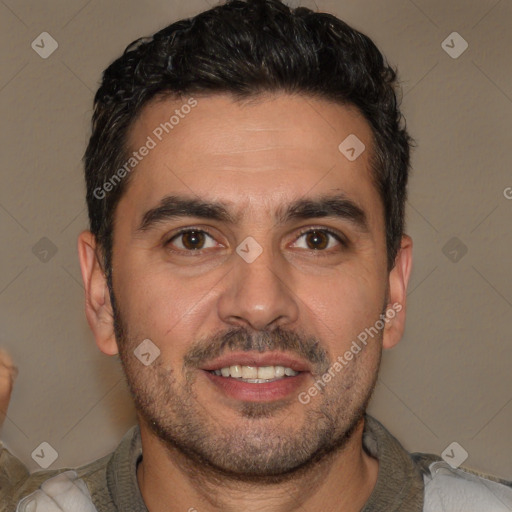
(175, 206)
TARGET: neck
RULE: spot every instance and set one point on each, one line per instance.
(340, 482)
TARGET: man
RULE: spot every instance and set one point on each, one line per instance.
(246, 181)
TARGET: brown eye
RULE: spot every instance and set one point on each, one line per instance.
(317, 239)
(191, 240)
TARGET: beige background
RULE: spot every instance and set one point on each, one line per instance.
(449, 379)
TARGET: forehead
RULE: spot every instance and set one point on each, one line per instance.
(254, 154)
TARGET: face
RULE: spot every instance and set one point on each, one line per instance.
(284, 267)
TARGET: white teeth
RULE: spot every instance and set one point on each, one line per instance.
(279, 371)
(235, 371)
(257, 381)
(256, 373)
(249, 372)
(266, 372)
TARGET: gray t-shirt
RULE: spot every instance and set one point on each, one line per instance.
(110, 484)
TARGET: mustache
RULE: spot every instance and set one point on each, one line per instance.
(241, 339)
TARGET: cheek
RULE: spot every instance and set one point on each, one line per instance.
(150, 304)
(347, 303)
(158, 305)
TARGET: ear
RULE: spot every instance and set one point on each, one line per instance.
(98, 308)
(398, 280)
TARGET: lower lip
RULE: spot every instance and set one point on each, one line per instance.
(252, 392)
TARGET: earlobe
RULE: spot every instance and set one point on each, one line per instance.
(98, 308)
(398, 280)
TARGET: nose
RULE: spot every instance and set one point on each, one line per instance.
(260, 294)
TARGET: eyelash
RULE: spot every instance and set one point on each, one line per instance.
(344, 243)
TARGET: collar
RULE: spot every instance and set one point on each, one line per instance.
(122, 473)
(399, 486)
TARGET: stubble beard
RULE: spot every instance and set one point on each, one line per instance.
(262, 446)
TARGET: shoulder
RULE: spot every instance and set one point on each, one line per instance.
(18, 488)
(461, 489)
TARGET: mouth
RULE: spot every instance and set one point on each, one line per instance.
(257, 377)
(255, 374)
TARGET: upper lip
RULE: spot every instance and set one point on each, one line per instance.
(258, 359)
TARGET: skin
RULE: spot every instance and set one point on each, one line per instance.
(8, 374)
(201, 449)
